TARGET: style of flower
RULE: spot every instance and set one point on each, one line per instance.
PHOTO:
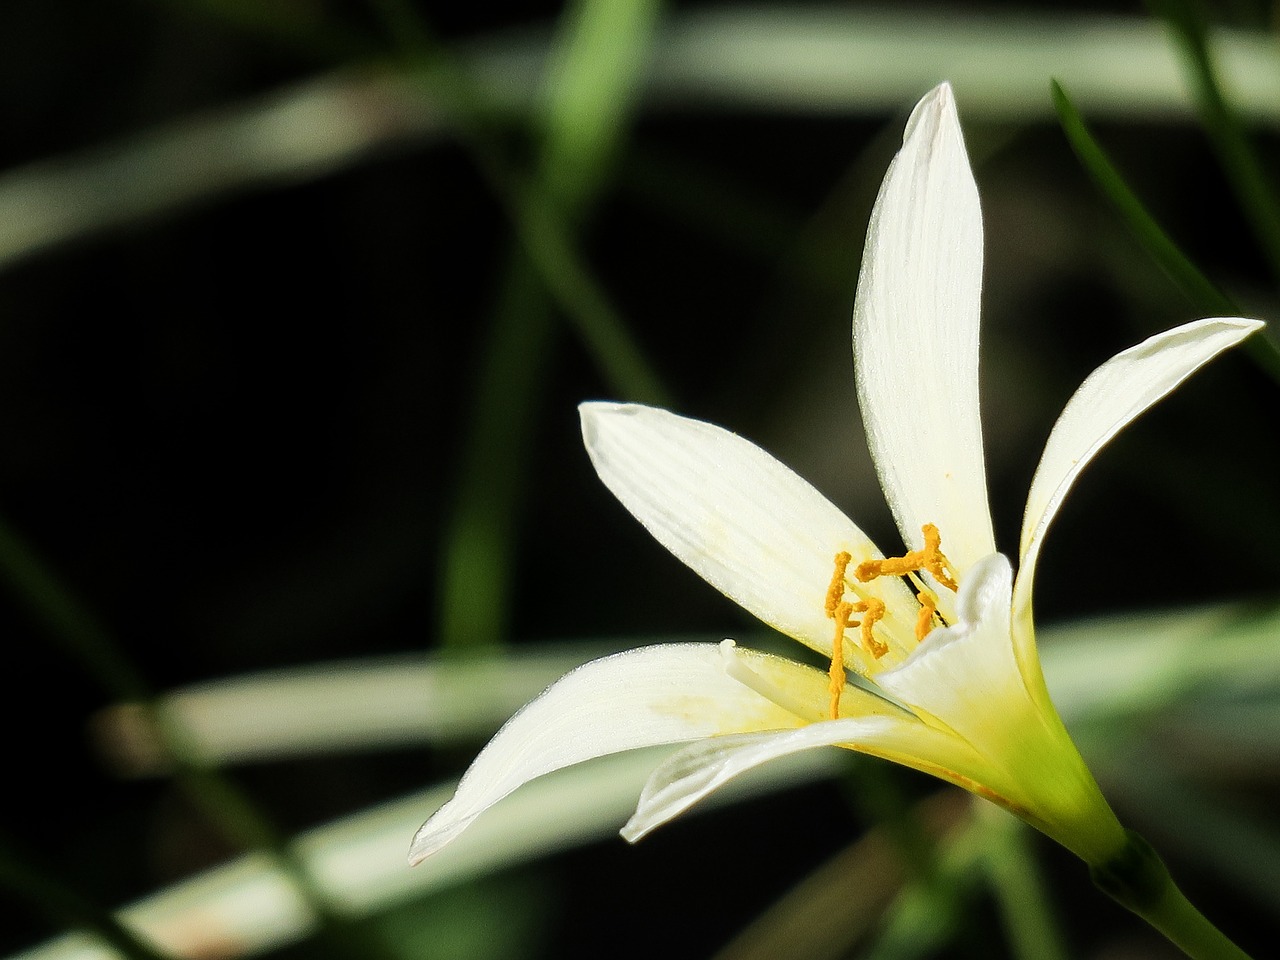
(933, 660)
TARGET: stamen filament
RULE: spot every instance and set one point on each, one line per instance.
(836, 686)
(924, 619)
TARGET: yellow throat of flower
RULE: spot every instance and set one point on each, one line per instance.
(930, 559)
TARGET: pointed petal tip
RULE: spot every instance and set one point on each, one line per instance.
(633, 830)
(935, 108)
(943, 95)
(594, 415)
(1244, 324)
(591, 412)
(434, 836)
(591, 408)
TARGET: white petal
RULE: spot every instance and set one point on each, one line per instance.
(746, 523)
(697, 770)
(1110, 397)
(701, 768)
(966, 675)
(653, 695)
(915, 337)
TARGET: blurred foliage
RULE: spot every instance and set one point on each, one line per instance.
(297, 301)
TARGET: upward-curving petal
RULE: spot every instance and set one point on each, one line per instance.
(1110, 398)
(915, 337)
(641, 698)
(746, 523)
(965, 676)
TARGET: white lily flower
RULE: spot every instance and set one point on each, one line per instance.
(933, 655)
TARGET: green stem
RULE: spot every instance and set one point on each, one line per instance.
(1138, 880)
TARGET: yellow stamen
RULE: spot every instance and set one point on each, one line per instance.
(935, 562)
(836, 686)
(835, 592)
(840, 610)
(874, 610)
(924, 620)
(931, 559)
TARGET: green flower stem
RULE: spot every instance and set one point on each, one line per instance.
(1138, 880)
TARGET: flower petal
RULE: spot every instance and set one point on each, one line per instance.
(746, 523)
(640, 698)
(965, 676)
(967, 680)
(701, 768)
(1110, 398)
(915, 337)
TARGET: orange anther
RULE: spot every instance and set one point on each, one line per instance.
(930, 559)
(835, 592)
(935, 562)
(874, 610)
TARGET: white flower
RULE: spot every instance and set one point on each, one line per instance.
(936, 665)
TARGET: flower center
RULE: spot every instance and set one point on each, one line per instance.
(930, 559)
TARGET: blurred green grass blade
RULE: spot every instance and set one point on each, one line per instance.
(602, 329)
(336, 707)
(428, 699)
(1156, 659)
(848, 60)
(478, 543)
(1201, 291)
(1198, 288)
(583, 116)
(503, 917)
(247, 906)
(24, 881)
(914, 927)
(1254, 191)
(876, 793)
(88, 642)
(840, 903)
(68, 622)
(1025, 907)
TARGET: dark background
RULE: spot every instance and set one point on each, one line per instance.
(233, 429)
